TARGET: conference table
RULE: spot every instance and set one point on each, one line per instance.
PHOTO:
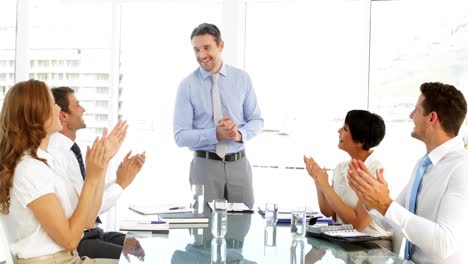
(248, 240)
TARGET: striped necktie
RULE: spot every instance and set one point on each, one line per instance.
(221, 147)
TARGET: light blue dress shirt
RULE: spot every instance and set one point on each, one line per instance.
(193, 116)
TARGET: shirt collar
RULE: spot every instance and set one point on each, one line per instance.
(43, 154)
(205, 74)
(438, 153)
(59, 140)
(370, 159)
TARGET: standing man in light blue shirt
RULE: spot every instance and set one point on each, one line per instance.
(219, 162)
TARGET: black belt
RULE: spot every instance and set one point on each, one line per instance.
(213, 156)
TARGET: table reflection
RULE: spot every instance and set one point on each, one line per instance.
(248, 240)
(204, 248)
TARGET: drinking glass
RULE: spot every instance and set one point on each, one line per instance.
(298, 221)
(271, 213)
(198, 198)
(219, 218)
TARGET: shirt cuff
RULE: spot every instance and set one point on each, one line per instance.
(111, 195)
(243, 133)
(397, 214)
(211, 136)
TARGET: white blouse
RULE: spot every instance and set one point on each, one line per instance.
(350, 198)
(33, 179)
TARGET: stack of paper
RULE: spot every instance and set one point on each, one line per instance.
(184, 218)
(138, 225)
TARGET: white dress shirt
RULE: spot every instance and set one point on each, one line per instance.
(350, 198)
(33, 179)
(60, 148)
(438, 229)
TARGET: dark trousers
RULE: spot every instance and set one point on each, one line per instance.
(99, 244)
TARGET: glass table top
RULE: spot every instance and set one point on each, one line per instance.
(248, 240)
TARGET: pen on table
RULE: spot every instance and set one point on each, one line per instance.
(176, 207)
(151, 222)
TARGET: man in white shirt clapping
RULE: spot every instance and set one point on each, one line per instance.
(95, 242)
(432, 210)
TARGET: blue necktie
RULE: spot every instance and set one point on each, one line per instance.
(77, 151)
(425, 161)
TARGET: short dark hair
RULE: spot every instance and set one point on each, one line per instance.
(365, 127)
(206, 28)
(448, 102)
(61, 97)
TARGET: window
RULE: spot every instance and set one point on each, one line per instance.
(152, 66)
(415, 48)
(309, 68)
(7, 44)
(80, 43)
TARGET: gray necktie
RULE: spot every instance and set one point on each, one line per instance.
(221, 147)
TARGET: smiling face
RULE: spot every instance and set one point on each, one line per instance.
(420, 120)
(345, 140)
(53, 123)
(75, 115)
(208, 52)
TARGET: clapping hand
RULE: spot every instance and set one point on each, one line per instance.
(129, 168)
(116, 138)
(96, 162)
(374, 193)
(319, 175)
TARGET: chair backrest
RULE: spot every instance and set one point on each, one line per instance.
(5, 239)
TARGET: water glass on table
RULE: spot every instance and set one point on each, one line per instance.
(298, 221)
(271, 213)
(198, 198)
(219, 218)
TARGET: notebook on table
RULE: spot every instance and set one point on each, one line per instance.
(345, 233)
